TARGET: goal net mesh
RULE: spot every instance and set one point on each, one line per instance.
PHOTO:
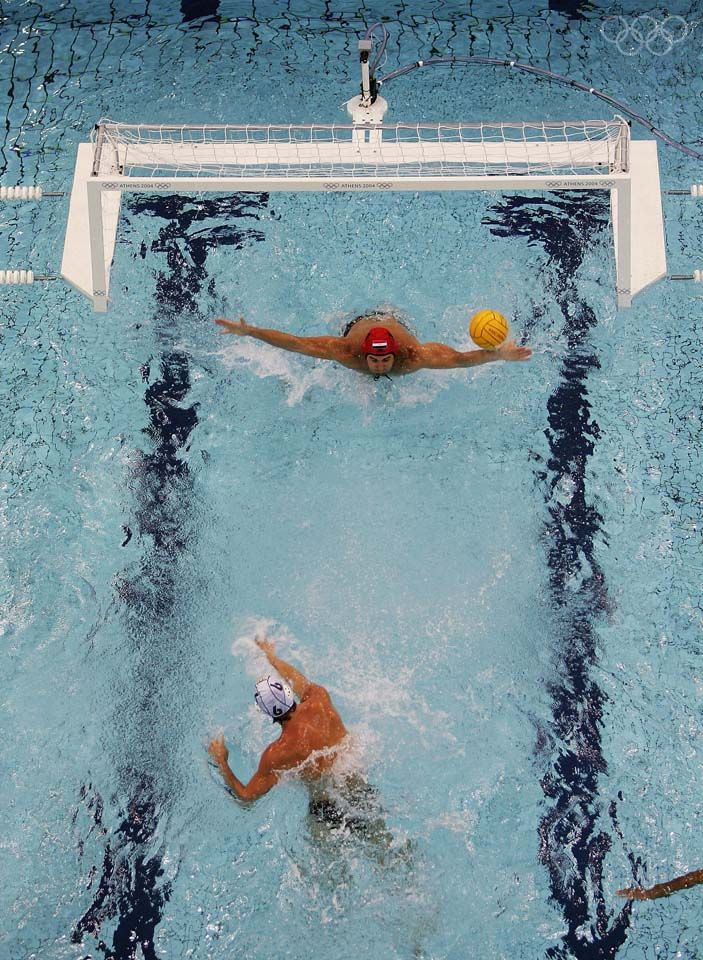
(281, 151)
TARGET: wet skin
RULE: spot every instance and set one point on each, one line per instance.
(411, 355)
(310, 736)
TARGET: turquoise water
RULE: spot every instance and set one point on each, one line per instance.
(515, 649)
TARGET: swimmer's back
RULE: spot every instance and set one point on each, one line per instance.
(314, 727)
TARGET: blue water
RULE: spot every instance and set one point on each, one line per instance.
(514, 647)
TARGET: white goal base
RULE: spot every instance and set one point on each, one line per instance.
(647, 262)
(403, 157)
(78, 253)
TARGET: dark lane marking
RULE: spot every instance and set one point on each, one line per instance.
(197, 9)
(573, 846)
(131, 891)
(130, 885)
(573, 9)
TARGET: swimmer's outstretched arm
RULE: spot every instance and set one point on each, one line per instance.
(438, 356)
(295, 678)
(663, 889)
(262, 781)
(324, 348)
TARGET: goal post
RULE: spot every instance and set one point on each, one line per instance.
(226, 158)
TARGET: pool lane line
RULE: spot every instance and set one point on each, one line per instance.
(572, 844)
(131, 892)
(131, 883)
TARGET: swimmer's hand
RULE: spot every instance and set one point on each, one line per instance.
(266, 646)
(510, 350)
(218, 750)
(239, 327)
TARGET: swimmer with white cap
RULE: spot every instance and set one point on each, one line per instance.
(311, 730)
(379, 344)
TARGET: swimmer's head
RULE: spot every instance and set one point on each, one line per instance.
(275, 698)
(379, 348)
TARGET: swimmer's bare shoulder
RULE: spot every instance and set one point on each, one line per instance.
(316, 695)
(317, 703)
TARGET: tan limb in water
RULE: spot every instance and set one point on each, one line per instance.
(663, 889)
(410, 355)
(438, 356)
(324, 348)
(295, 678)
(265, 777)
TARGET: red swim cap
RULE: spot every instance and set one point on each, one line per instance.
(379, 342)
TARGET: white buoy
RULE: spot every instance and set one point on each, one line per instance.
(21, 193)
(27, 193)
(16, 276)
(695, 190)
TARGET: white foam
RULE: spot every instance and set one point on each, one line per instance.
(461, 822)
(15, 602)
(376, 694)
(217, 730)
(500, 567)
(245, 644)
(6, 596)
(266, 361)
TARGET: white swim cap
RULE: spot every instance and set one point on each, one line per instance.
(274, 697)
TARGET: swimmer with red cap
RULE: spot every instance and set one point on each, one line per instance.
(377, 344)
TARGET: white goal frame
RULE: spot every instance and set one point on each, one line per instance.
(219, 158)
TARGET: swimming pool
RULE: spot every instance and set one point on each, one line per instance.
(516, 651)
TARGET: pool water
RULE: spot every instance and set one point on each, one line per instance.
(495, 572)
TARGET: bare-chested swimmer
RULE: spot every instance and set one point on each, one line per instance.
(311, 740)
(378, 344)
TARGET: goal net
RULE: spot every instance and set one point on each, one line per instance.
(280, 151)
(227, 158)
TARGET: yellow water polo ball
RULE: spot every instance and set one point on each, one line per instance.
(488, 329)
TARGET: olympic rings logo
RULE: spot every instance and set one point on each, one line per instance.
(659, 38)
